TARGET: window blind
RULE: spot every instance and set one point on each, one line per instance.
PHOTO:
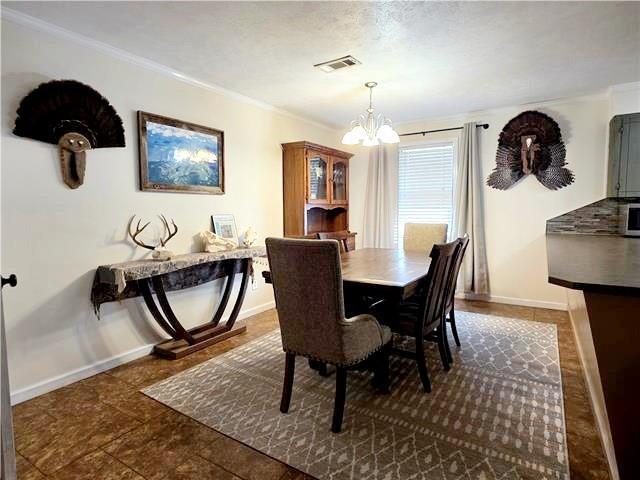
(425, 185)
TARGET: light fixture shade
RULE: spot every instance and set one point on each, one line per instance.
(359, 132)
(350, 138)
(386, 134)
(354, 136)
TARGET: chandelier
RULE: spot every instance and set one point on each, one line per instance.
(370, 129)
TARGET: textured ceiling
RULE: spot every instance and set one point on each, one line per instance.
(430, 59)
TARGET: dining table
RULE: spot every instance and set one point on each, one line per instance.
(371, 275)
(388, 274)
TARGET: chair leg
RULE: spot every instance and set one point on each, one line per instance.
(422, 365)
(381, 372)
(442, 349)
(454, 330)
(341, 394)
(287, 386)
(323, 370)
(447, 347)
(319, 367)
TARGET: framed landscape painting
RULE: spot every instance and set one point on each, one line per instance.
(177, 156)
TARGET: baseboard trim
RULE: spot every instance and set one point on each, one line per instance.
(87, 371)
(523, 302)
(78, 374)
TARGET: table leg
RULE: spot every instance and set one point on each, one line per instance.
(225, 296)
(145, 289)
(184, 342)
(158, 286)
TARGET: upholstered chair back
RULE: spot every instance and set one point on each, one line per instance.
(423, 236)
(307, 282)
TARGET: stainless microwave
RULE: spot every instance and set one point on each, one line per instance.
(632, 220)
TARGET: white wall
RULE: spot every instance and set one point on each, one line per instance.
(53, 237)
(515, 219)
(624, 98)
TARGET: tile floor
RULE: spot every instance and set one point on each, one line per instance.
(104, 428)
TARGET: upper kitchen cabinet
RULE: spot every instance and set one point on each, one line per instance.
(624, 156)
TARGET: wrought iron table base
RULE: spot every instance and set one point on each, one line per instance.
(184, 342)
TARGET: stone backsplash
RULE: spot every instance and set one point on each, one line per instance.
(604, 217)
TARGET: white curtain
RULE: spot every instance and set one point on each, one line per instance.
(469, 214)
(380, 209)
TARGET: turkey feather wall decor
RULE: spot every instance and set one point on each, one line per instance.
(531, 143)
(73, 116)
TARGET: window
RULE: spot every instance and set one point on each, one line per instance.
(425, 185)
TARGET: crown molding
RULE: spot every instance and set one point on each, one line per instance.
(602, 94)
(54, 30)
(624, 87)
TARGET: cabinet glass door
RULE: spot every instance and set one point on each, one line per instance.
(339, 181)
(317, 168)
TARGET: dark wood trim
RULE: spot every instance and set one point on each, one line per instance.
(147, 186)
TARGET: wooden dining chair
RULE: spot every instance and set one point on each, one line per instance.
(423, 318)
(422, 236)
(342, 237)
(449, 311)
(307, 283)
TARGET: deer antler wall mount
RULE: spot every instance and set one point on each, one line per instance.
(160, 252)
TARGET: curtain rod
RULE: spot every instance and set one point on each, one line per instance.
(483, 125)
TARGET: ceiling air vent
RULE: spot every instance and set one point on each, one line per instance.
(337, 64)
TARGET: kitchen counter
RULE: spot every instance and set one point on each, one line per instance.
(599, 263)
(602, 273)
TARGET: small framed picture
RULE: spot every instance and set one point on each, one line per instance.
(225, 226)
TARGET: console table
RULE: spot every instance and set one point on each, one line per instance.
(143, 278)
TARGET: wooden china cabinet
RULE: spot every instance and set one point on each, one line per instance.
(315, 190)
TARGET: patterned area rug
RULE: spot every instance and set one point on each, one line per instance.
(497, 414)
